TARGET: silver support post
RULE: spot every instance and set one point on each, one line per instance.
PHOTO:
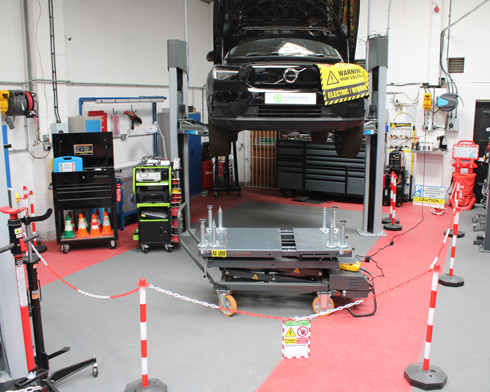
(375, 142)
(343, 244)
(324, 220)
(214, 234)
(210, 218)
(203, 231)
(334, 217)
(220, 220)
(331, 240)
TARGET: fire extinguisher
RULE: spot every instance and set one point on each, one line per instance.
(118, 191)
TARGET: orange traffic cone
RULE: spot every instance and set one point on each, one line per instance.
(106, 228)
(82, 227)
(94, 227)
(68, 229)
(99, 221)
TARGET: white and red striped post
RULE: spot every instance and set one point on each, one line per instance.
(144, 344)
(144, 383)
(425, 376)
(393, 226)
(450, 279)
(393, 197)
(456, 196)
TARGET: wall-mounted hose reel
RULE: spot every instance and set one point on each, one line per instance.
(17, 103)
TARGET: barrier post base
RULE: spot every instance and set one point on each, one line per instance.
(388, 220)
(393, 227)
(451, 281)
(154, 385)
(434, 378)
(461, 234)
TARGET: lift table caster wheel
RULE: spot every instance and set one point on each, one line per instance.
(112, 244)
(316, 305)
(229, 303)
(95, 369)
(145, 248)
(65, 248)
(169, 248)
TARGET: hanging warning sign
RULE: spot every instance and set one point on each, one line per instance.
(296, 338)
(343, 82)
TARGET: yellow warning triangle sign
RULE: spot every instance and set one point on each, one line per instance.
(255, 277)
(332, 79)
(290, 333)
(296, 271)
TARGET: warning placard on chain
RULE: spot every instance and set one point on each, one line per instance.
(343, 82)
(296, 338)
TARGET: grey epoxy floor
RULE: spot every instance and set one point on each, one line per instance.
(194, 348)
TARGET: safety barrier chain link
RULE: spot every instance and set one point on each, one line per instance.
(78, 290)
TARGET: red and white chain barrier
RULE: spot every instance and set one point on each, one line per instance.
(76, 289)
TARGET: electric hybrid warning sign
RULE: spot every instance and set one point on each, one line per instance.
(343, 82)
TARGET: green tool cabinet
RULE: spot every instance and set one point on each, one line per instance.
(152, 187)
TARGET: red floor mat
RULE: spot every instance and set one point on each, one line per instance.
(370, 354)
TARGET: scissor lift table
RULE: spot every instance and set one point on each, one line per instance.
(298, 260)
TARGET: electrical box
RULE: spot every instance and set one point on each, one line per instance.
(452, 124)
(59, 128)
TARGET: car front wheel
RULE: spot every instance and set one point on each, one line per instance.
(348, 143)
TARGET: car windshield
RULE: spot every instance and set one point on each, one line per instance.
(282, 47)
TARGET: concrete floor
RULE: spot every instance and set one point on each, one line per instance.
(195, 348)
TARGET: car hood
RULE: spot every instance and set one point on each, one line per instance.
(333, 22)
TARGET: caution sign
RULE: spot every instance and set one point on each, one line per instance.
(343, 82)
(430, 196)
(296, 338)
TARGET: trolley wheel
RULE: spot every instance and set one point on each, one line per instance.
(216, 194)
(65, 248)
(145, 248)
(316, 305)
(475, 218)
(229, 304)
(112, 244)
(95, 370)
(169, 248)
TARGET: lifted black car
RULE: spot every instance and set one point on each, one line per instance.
(268, 57)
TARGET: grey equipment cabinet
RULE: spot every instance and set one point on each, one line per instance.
(152, 185)
(305, 166)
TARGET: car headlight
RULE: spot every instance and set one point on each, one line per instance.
(224, 73)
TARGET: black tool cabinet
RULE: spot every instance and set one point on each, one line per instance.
(305, 166)
(85, 190)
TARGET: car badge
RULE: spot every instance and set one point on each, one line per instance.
(290, 75)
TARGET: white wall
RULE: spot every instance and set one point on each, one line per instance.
(414, 39)
(104, 48)
(118, 48)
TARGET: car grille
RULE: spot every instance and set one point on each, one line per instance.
(288, 111)
(272, 77)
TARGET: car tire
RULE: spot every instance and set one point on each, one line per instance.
(219, 141)
(319, 137)
(348, 143)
